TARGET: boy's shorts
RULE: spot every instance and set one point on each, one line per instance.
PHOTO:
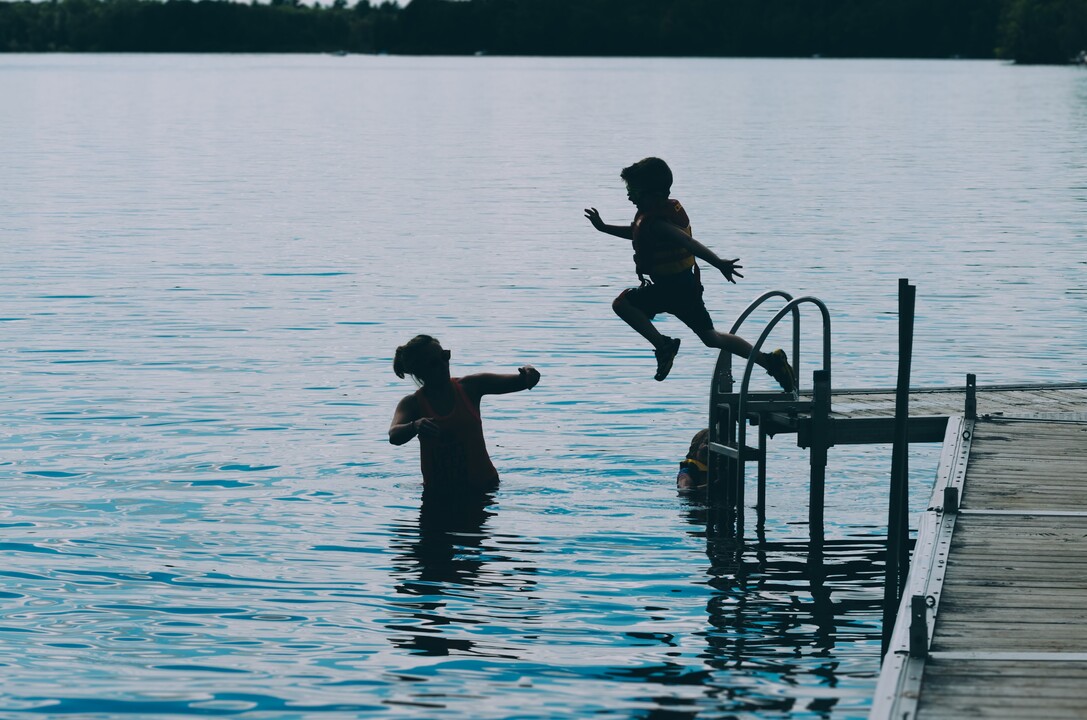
(679, 295)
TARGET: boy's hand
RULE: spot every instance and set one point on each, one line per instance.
(594, 217)
(728, 269)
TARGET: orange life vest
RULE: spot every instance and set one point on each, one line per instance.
(652, 256)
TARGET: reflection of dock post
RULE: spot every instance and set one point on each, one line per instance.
(820, 442)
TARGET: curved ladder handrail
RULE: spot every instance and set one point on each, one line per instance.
(724, 358)
(723, 368)
(754, 305)
(741, 413)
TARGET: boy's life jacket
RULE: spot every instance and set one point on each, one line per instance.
(653, 257)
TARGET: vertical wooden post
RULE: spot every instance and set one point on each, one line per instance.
(918, 626)
(722, 429)
(898, 527)
(760, 502)
(724, 492)
(820, 441)
(902, 432)
(971, 397)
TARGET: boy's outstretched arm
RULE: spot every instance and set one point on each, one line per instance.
(674, 234)
(623, 231)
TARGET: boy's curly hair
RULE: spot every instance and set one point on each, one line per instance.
(650, 174)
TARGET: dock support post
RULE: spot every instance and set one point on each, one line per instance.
(971, 396)
(918, 626)
(898, 526)
(760, 502)
(725, 494)
(820, 441)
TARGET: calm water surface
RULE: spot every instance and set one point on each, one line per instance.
(208, 262)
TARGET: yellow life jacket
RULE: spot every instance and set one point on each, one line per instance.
(653, 256)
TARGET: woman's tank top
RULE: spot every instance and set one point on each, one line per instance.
(457, 459)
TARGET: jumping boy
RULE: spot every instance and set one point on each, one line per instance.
(664, 255)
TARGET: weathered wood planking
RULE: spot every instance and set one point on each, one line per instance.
(991, 400)
(1006, 575)
(1005, 689)
(1025, 466)
(992, 563)
(1010, 639)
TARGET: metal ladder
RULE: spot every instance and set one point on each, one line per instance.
(730, 412)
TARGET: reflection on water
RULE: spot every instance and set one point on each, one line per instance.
(776, 601)
(442, 555)
(782, 622)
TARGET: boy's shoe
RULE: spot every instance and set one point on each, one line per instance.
(781, 370)
(665, 356)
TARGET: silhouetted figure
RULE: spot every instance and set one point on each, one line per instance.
(693, 468)
(664, 255)
(444, 414)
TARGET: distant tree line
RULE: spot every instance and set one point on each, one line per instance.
(1027, 31)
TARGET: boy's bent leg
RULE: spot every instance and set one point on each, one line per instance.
(735, 345)
(666, 347)
(637, 319)
(775, 363)
(725, 341)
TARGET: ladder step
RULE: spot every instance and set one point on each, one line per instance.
(784, 405)
(750, 453)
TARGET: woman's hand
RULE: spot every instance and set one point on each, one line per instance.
(530, 375)
(425, 427)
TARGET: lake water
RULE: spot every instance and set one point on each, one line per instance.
(208, 262)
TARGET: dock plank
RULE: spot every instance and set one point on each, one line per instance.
(992, 400)
(1028, 466)
(1005, 689)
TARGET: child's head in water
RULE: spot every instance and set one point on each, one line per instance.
(423, 358)
(692, 469)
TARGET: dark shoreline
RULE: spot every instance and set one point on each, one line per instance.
(1024, 31)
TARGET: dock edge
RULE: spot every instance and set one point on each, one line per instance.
(899, 686)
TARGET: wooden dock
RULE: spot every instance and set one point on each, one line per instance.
(993, 622)
(867, 416)
(851, 417)
(992, 616)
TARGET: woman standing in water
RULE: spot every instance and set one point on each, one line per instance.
(444, 414)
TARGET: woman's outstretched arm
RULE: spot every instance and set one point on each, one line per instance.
(500, 384)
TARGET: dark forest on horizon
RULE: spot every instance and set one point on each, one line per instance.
(1026, 31)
